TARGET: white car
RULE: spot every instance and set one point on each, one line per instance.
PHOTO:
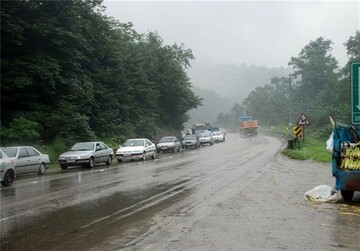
(136, 149)
(218, 136)
(7, 169)
(87, 154)
(168, 143)
(27, 159)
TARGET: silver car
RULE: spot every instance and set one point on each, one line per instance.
(168, 143)
(28, 159)
(7, 169)
(86, 154)
(191, 140)
(206, 138)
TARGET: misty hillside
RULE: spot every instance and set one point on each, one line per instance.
(221, 86)
(213, 104)
(234, 82)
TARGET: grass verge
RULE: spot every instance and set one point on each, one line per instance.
(312, 148)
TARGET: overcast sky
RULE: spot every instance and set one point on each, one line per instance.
(261, 33)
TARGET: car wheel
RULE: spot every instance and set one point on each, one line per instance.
(158, 151)
(8, 178)
(179, 148)
(91, 162)
(119, 160)
(63, 167)
(347, 195)
(42, 169)
(143, 157)
(109, 160)
(174, 149)
(153, 156)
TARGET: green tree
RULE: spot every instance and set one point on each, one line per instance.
(71, 72)
(166, 71)
(315, 92)
(46, 63)
(343, 90)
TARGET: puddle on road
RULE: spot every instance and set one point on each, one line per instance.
(92, 222)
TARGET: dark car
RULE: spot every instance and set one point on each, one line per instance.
(192, 141)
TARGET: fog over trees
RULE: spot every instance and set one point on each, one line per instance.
(71, 72)
(317, 86)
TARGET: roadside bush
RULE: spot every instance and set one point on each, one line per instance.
(56, 148)
(21, 131)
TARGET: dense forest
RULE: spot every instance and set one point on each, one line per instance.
(68, 71)
(317, 87)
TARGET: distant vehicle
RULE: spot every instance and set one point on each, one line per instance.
(191, 140)
(86, 154)
(198, 128)
(218, 136)
(223, 131)
(7, 169)
(136, 149)
(168, 143)
(206, 138)
(28, 159)
(248, 126)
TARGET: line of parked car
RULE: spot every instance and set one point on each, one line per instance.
(27, 159)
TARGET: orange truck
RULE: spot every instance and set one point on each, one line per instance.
(248, 126)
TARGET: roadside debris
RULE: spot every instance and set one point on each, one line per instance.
(323, 193)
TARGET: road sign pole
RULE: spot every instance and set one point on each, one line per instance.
(303, 133)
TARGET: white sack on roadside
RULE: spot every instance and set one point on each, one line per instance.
(322, 193)
(330, 143)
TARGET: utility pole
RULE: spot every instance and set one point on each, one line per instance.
(289, 81)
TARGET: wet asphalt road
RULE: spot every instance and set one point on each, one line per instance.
(238, 195)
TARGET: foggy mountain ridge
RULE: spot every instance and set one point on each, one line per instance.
(212, 105)
(233, 81)
(223, 85)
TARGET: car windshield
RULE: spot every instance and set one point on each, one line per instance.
(205, 134)
(217, 133)
(10, 151)
(85, 146)
(166, 139)
(134, 142)
(190, 137)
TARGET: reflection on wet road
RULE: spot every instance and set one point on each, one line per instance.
(135, 205)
